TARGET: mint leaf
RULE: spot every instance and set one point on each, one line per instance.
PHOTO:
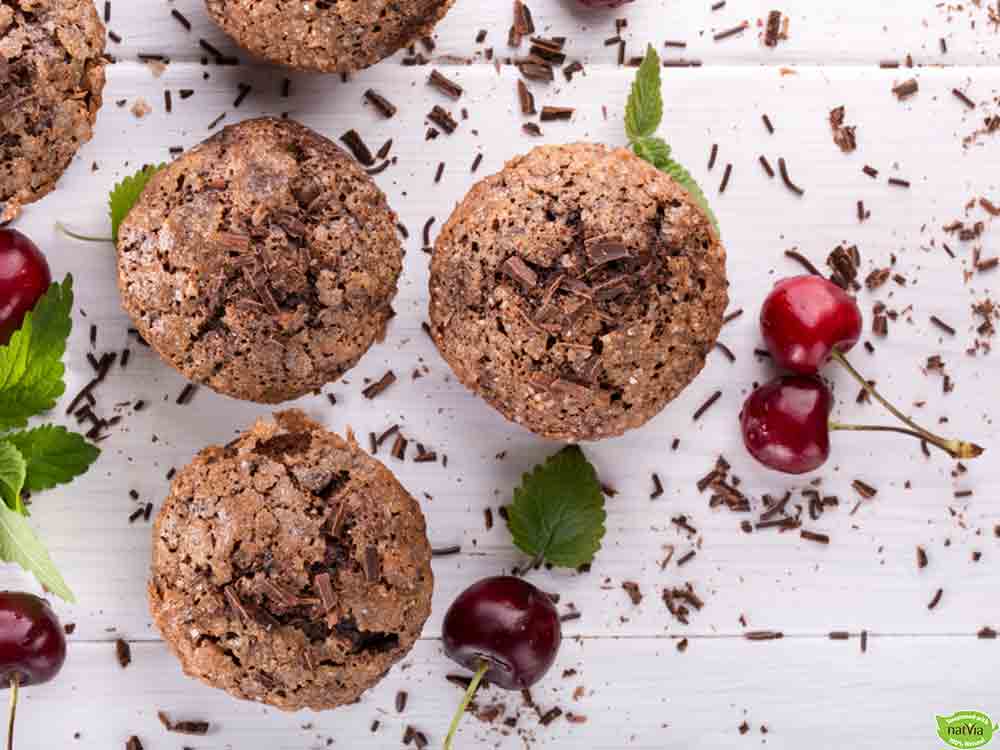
(18, 544)
(31, 368)
(683, 178)
(643, 114)
(53, 455)
(654, 150)
(558, 511)
(13, 470)
(126, 193)
(644, 109)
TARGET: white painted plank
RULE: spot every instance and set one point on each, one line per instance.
(848, 32)
(807, 692)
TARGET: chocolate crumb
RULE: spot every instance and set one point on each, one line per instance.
(123, 652)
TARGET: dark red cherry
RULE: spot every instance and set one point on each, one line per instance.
(32, 642)
(24, 278)
(804, 319)
(32, 646)
(785, 423)
(507, 624)
(505, 630)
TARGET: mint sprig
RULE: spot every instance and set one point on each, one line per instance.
(558, 511)
(32, 378)
(127, 193)
(643, 115)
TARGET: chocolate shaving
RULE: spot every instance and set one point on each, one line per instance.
(352, 139)
(906, 89)
(123, 652)
(379, 386)
(707, 405)
(373, 566)
(783, 169)
(383, 105)
(517, 269)
(445, 85)
(443, 119)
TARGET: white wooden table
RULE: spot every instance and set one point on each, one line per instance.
(633, 685)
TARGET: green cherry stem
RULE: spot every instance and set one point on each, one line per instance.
(958, 449)
(13, 712)
(466, 700)
(82, 237)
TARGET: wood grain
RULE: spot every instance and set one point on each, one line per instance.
(639, 691)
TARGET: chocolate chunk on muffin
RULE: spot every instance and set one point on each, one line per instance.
(262, 263)
(51, 80)
(289, 567)
(578, 291)
(337, 37)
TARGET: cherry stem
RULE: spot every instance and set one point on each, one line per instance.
(13, 711)
(82, 237)
(466, 700)
(955, 448)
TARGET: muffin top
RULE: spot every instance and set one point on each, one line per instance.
(51, 79)
(262, 263)
(289, 567)
(337, 37)
(578, 291)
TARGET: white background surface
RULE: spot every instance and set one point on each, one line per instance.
(638, 690)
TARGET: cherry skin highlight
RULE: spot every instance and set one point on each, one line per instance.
(804, 319)
(507, 624)
(785, 424)
(24, 278)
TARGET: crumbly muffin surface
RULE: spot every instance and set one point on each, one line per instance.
(51, 80)
(262, 263)
(289, 567)
(578, 291)
(333, 37)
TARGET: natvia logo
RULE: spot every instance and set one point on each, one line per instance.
(966, 729)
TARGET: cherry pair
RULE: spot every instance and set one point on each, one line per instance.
(806, 321)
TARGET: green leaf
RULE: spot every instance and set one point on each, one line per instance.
(54, 455)
(558, 511)
(13, 470)
(126, 193)
(31, 368)
(683, 178)
(18, 544)
(643, 114)
(654, 150)
(644, 110)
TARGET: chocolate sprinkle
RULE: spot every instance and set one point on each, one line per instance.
(383, 105)
(707, 405)
(783, 168)
(376, 388)
(123, 652)
(357, 146)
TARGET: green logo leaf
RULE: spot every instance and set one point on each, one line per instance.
(966, 729)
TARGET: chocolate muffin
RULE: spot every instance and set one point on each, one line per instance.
(51, 80)
(289, 567)
(338, 37)
(578, 291)
(262, 263)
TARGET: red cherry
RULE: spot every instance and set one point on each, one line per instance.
(509, 625)
(804, 319)
(785, 424)
(503, 629)
(24, 278)
(32, 645)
